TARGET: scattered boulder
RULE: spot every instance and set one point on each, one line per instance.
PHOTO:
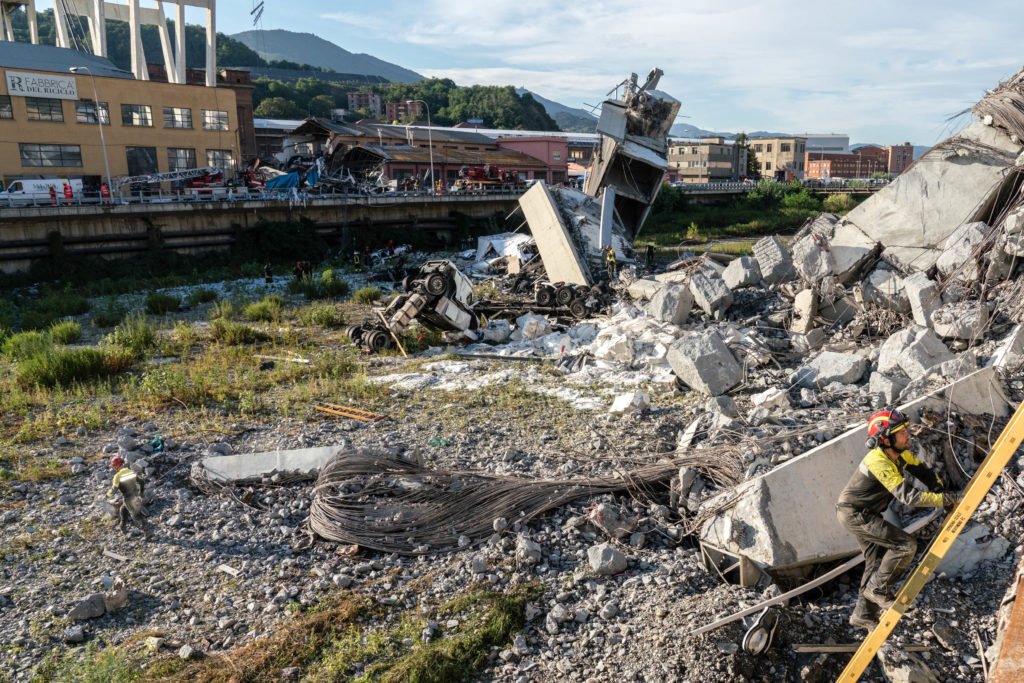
(705, 363)
(773, 260)
(922, 292)
(90, 608)
(742, 272)
(74, 634)
(912, 351)
(117, 596)
(961, 320)
(527, 551)
(606, 559)
(828, 367)
(710, 294)
(903, 667)
(671, 304)
(957, 261)
(633, 402)
(609, 520)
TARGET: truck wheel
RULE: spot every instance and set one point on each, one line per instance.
(377, 340)
(578, 309)
(545, 296)
(563, 295)
(353, 332)
(436, 284)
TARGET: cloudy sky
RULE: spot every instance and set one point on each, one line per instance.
(882, 72)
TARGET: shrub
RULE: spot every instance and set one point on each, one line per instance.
(802, 200)
(61, 367)
(323, 315)
(135, 334)
(233, 334)
(65, 332)
(109, 314)
(327, 285)
(51, 307)
(838, 203)
(223, 309)
(24, 345)
(158, 303)
(366, 295)
(766, 193)
(268, 309)
(202, 295)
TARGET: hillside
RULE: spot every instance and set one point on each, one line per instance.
(307, 48)
(567, 118)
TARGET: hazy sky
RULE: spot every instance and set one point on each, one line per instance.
(883, 72)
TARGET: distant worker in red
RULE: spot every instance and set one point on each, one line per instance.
(888, 550)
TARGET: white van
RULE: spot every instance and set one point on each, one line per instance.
(28, 191)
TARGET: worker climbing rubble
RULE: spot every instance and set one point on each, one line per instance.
(888, 550)
(609, 260)
(130, 485)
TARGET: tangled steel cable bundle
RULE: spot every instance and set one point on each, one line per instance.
(383, 502)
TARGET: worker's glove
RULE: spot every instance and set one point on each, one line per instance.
(109, 494)
(951, 499)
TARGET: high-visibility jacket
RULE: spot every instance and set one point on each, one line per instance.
(609, 257)
(878, 479)
(128, 483)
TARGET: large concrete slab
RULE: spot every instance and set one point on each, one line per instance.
(776, 528)
(554, 242)
(228, 469)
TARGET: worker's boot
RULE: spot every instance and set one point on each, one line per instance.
(865, 614)
(880, 596)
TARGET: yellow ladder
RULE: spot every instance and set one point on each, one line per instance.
(979, 485)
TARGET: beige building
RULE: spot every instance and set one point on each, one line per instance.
(48, 118)
(780, 158)
(705, 160)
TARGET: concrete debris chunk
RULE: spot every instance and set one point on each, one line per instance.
(812, 257)
(771, 399)
(742, 272)
(628, 404)
(644, 289)
(1014, 221)
(903, 667)
(773, 260)
(89, 608)
(889, 387)
(705, 363)
(710, 294)
(117, 597)
(841, 310)
(74, 634)
(671, 303)
(912, 351)
(977, 543)
(922, 292)
(527, 551)
(957, 260)
(961, 320)
(885, 288)
(828, 367)
(805, 308)
(606, 559)
(611, 521)
(530, 326)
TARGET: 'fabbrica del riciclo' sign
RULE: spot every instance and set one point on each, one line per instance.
(41, 85)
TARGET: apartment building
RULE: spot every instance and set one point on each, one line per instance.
(782, 159)
(369, 101)
(899, 157)
(712, 159)
(861, 163)
(404, 110)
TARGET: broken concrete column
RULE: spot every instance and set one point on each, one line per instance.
(774, 261)
(912, 351)
(671, 304)
(962, 320)
(805, 307)
(828, 367)
(885, 288)
(743, 272)
(922, 292)
(957, 259)
(710, 294)
(705, 363)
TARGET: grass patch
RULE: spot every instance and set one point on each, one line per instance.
(231, 333)
(366, 295)
(321, 315)
(109, 313)
(24, 345)
(62, 367)
(51, 307)
(158, 303)
(326, 286)
(268, 309)
(203, 295)
(65, 332)
(839, 203)
(134, 334)
(91, 664)
(222, 310)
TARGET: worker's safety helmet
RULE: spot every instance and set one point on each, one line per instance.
(117, 462)
(884, 424)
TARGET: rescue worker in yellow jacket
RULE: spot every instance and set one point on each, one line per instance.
(609, 261)
(131, 487)
(888, 550)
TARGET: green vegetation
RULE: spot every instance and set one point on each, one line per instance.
(839, 203)
(109, 313)
(322, 315)
(65, 332)
(135, 334)
(158, 303)
(91, 664)
(62, 367)
(268, 309)
(24, 345)
(366, 295)
(51, 307)
(328, 285)
(232, 334)
(202, 295)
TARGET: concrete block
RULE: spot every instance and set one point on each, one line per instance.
(962, 320)
(922, 292)
(530, 326)
(774, 261)
(769, 526)
(888, 387)
(851, 249)
(969, 550)
(1014, 222)
(812, 256)
(957, 260)
(606, 559)
(804, 343)
(633, 402)
(772, 399)
(236, 468)
(710, 294)
(842, 310)
(705, 363)
(743, 272)
(644, 289)
(828, 367)
(805, 308)
(671, 304)
(885, 288)
(912, 351)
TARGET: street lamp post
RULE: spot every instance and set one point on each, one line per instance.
(430, 144)
(99, 120)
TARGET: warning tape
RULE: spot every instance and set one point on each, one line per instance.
(979, 485)
(351, 413)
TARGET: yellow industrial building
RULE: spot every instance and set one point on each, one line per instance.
(48, 118)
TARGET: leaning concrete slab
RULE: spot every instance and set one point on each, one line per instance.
(230, 469)
(768, 525)
(554, 242)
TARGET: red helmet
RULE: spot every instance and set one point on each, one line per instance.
(117, 462)
(884, 424)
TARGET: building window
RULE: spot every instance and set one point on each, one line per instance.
(556, 155)
(767, 165)
(757, 148)
(177, 117)
(136, 115)
(179, 158)
(85, 112)
(785, 147)
(6, 112)
(141, 160)
(44, 109)
(218, 158)
(768, 148)
(50, 155)
(215, 120)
